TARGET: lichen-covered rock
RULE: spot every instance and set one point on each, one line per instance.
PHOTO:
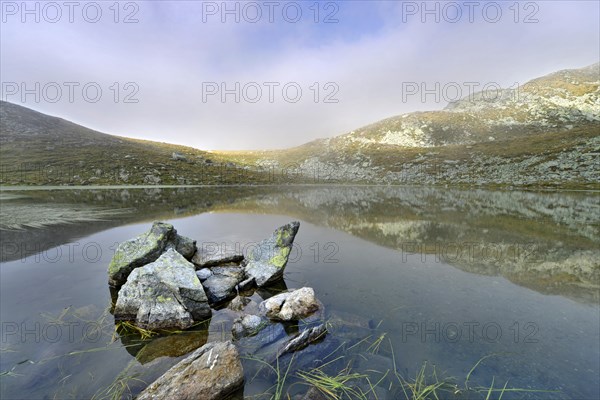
(221, 284)
(291, 306)
(163, 294)
(267, 261)
(248, 325)
(210, 257)
(139, 251)
(213, 372)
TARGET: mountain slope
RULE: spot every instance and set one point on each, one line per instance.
(554, 103)
(40, 149)
(544, 133)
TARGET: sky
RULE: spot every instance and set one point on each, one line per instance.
(275, 74)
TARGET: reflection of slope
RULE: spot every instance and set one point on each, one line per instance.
(117, 207)
(15, 217)
(544, 241)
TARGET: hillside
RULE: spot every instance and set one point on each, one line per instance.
(545, 133)
(38, 149)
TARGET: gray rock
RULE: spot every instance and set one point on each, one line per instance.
(185, 246)
(268, 260)
(213, 372)
(163, 294)
(221, 284)
(203, 274)
(248, 325)
(139, 251)
(239, 303)
(246, 284)
(290, 306)
(265, 342)
(209, 257)
(178, 156)
(302, 340)
(152, 180)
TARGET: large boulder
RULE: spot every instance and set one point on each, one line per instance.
(139, 251)
(163, 294)
(213, 372)
(267, 261)
(291, 306)
(146, 248)
(222, 282)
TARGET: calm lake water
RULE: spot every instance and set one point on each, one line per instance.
(443, 277)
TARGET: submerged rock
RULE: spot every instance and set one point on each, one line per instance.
(208, 257)
(222, 282)
(139, 251)
(248, 325)
(305, 338)
(314, 394)
(163, 294)
(268, 260)
(172, 345)
(291, 306)
(213, 372)
(239, 303)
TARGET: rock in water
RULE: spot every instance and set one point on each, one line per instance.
(299, 342)
(212, 256)
(290, 306)
(139, 251)
(246, 285)
(221, 284)
(146, 248)
(213, 372)
(268, 260)
(185, 246)
(203, 274)
(248, 325)
(163, 294)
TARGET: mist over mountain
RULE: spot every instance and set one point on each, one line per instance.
(543, 133)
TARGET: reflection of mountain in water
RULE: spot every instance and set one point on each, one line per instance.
(545, 241)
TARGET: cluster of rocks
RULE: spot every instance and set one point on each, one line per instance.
(163, 281)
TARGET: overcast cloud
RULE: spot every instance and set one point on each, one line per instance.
(175, 49)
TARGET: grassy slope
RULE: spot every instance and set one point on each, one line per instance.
(37, 149)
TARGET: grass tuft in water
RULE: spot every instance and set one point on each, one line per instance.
(334, 387)
(129, 328)
(119, 388)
